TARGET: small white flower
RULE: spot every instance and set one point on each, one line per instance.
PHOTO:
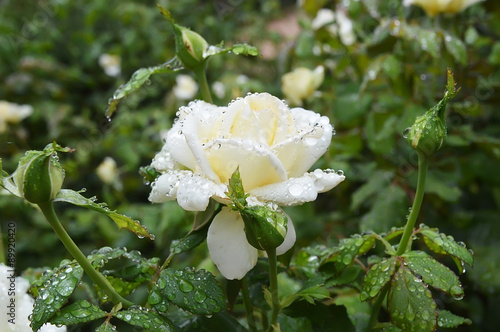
(337, 23)
(107, 170)
(435, 7)
(323, 17)
(272, 145)
(301, 83)
(22, 301)
(111, 64)
(219, 89)
(12, 113)
(185, 88)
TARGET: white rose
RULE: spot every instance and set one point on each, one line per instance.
(301, 83)
(23, 304)
(111, 64)
(185, 88)
(272, 145)
(12, 113)
(435, 7)
(343, 27)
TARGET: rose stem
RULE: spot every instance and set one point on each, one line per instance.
(49, 213)
(248, 305)
(273, 284)
(201, 76)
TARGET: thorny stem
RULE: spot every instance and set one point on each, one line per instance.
(49, 213)
(248, 305)
(273, 285)
(201, 76)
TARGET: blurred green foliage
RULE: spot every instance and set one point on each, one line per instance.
(373, 90)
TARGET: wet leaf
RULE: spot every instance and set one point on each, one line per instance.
(377, 277)
(434, 273)
(75, 198)
(190, 241)
(447, 319)
(106, 327)
(195, 291)
(78, 312)
(310, 294)
(351, 247)
(139, 77)
(147, 319)
(410, 303)
(56, 287)
(442, 244)
(456, 48)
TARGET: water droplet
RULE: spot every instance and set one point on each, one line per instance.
(340, 172)
(457, 292)
(154, 298)
(295, 190)
(199, 296)
(405, 132)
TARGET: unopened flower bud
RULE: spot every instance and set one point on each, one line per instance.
(39, 176)
(190, 47)
(265, 227)
(427, 134)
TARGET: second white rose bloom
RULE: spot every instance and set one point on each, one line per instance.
(272, 145)
(301, 83)
(435, 7)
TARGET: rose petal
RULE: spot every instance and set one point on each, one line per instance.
(289, 238)
(192, 191)
(258, 165)
(312, 139)
(296, 191)
(228, 245)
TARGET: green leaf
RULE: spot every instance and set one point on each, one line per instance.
(428, 40)
(75, 198)
(147, 319)
(310, 294)
(410, 303)
(375, 183)
(394, 233)
(388, 210)
(377, 277)
(456, 48)
(442, 244)
(139, 77)
(235, 190)
(121, 286)
(351, 247)
(57, 286)
(98, 258)
(190, 241)
(106, 327)
(447, 319)
(78, 312)
(195, 291)
(434, 273)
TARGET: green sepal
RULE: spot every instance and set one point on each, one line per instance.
(265, 226)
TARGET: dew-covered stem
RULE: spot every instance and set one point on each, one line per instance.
(47, 209)
(273, 285)
(423, 163)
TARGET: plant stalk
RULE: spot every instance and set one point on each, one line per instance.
(49, 213)
(423, 163)
(248, 305)
(201, 77)
(273, 285)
